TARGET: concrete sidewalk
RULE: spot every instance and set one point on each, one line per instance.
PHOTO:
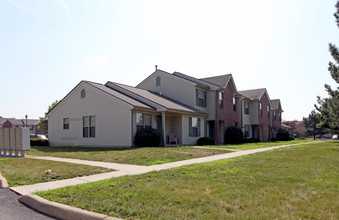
(123, 169)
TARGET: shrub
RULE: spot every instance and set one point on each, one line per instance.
(147, 138)
(283, 135)
(205, 141)
(252, 140)
(39, 142)
(234, 135)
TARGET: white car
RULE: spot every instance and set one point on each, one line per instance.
(335, 136)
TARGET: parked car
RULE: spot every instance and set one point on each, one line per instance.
(329, 136)
(335, 136)
(41, 136)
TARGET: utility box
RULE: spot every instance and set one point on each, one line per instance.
(14, 142)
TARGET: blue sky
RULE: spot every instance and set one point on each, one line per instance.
(48, 46)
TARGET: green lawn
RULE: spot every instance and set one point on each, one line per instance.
(299, 182)
(24, 171)
(137, 156)
(251, 146)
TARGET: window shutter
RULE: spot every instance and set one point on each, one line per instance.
(196, 98)
(190, 127)
(198, 127)
(205, 100)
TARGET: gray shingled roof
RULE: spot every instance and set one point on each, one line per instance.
(119, 95)
(276, 103)
(254, 94)
(221, 81)
(157, 99)
(199, 82)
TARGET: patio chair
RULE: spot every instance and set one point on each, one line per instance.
(172, 138)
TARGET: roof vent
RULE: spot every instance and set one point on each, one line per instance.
(156, 67)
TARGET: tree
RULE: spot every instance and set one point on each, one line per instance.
(43, 124)
(329, 107)
(312, 124)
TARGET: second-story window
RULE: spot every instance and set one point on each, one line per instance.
(221, 102)
(247, 108)
(200, 98)
(158, 81)
(234, 104)
(83, 94)
(268, 111)
(274, 115)
(260, 108)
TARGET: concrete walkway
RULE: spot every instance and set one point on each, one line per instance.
(123, 169)
(218, 148)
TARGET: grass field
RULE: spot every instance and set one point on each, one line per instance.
(24, 171)
(299, 182)
(251, 146)
(137, 156)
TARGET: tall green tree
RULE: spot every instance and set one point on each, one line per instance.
(329, 107)
(43, 124)
(312, 124)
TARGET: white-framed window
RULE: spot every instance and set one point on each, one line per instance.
(260, 108)
(194, 127)
(200, 96)
(221, 101)
(274, 115)
(268, 111)
(234, 104)
(247, 108)
(83, 94)
(31, 128)
(158, 81)
(88, 126)
(143, 121)
(66, 123)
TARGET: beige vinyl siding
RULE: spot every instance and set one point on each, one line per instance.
(171, 86)
(187, 140)
(113, 120)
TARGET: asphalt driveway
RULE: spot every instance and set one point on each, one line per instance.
(12, 209)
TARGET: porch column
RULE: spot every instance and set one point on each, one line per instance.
(163, 115)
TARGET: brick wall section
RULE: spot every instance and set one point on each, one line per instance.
(264, 119)
(226, 113)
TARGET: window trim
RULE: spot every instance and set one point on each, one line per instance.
(88, 131)
(143, 125)
(65, 125)
(248, 108)
(158, 81)
(221, 99)
(191, 128)
(200, 102)
(234, 104)
(83, 94)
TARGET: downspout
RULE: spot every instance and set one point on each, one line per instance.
(216, 123)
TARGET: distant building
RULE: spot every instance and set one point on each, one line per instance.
(33, 124)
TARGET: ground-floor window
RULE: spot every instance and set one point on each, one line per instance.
(194, 127)
(88, 129)
(143, 121)
(247, 131)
